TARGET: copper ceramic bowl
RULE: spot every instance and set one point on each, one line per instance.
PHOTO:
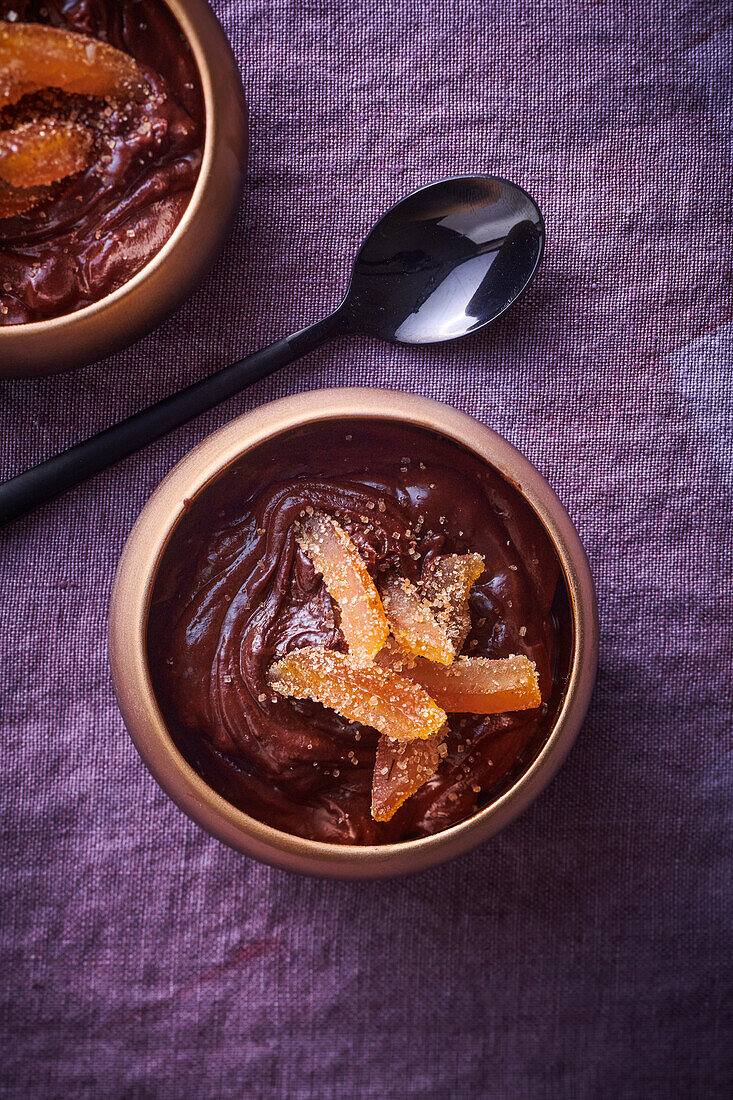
(131, 600)
(114, 322)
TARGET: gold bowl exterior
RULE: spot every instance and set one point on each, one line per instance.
(114, 322)
(128, 620)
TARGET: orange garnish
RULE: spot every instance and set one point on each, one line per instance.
(34, 56)
(374, 696)
(413, 623)
(349, 585)
(43, 152)
(401, 768)
(446, 585)
(471, 685)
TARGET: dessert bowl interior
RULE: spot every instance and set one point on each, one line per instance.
(162, 284)
(249, 447)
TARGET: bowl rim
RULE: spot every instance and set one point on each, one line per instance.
(132, 591)
(190, 15)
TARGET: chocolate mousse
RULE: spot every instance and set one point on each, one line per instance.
(255, 618)
(101, 140)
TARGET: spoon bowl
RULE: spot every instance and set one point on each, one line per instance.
(446, 261)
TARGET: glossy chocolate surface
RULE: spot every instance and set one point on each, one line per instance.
(101, 226)
(234, 591)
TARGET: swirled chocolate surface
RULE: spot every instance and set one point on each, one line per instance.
(234, 591)
(100, 227)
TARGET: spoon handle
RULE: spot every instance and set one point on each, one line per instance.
(43, 482)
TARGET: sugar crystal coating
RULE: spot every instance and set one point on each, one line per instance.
(471, 685)
(412, 621)
(446, 585)
(43, 152)
(373, 696)
(401, 768)
(34, 56)
(336, 558)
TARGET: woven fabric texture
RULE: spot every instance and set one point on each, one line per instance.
(586, 951)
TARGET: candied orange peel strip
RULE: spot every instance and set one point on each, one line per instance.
(374, 696)
(34, 56)
(336, 558)
(413, 623)
(446, 585)
(402, 768)
(43, 152)
(471, 685)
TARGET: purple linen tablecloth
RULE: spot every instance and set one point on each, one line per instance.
(586, 951)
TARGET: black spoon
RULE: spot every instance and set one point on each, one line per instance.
(446, 261)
